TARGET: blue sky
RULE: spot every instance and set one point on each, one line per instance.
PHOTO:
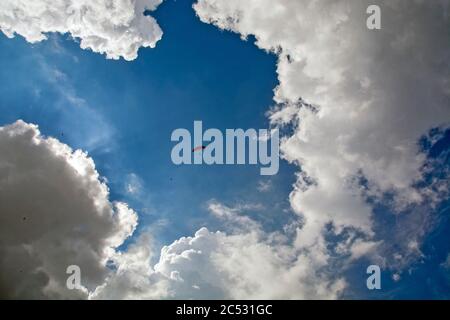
(131, 109)
(123, 113)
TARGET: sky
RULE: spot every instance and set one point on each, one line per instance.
(91, 92)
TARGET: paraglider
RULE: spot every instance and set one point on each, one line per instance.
(236, 146)
(198, 148)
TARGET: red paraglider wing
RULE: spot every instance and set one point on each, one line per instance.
(198, 148)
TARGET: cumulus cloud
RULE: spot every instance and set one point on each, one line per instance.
(54, 212)
(117, 28)
(241, 264)
(358, 102)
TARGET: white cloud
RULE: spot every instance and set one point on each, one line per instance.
(133, 184)
(264, 186)
(233, 217)
(371, 96)
(446, 263)
(396, 277)
(361, 248)
(216, 265)
(359, 100)
(80, 122)
(117, 28)
(55, 212)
